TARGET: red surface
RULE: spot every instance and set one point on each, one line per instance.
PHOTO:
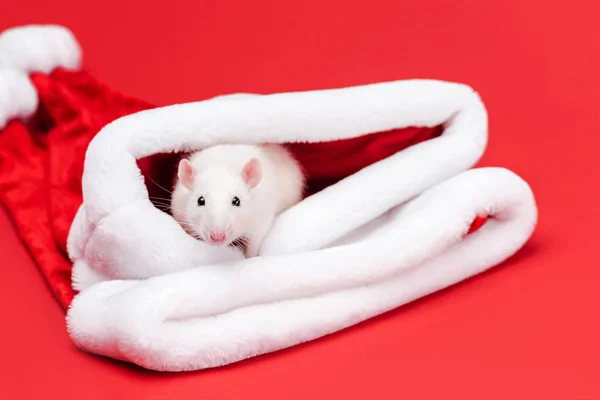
(527, 329)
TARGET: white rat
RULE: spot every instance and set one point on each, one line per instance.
(230, 194)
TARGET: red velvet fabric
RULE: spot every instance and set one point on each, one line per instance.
(41, 163)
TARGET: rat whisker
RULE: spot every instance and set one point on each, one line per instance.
(160, 201)
(168, 191)
(161, 204)
(244, 244)
(163, 209)
(159, 198)
(182, 212)
(186, 225)
(186, 222)
(249, 244)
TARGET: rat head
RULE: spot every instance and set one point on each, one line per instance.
(217, 209)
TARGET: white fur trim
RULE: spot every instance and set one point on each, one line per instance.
(384, 236)
(39, 48)
(27, 49)
(18, 98)
(211, 316)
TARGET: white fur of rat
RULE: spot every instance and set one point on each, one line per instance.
(231, 194)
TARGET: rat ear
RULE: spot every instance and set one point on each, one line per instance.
(185, 173)
(252, 173)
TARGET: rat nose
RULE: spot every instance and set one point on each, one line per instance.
(217, 236)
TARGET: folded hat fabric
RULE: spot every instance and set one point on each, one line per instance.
(394, 212)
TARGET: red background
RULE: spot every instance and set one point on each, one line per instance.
(527, 329)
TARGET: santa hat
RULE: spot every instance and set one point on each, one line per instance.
(394, 213)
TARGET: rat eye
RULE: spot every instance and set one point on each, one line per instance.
(201, 201)
(235, 202)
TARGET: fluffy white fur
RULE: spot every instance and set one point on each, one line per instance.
(31, 49)
(39, 48)
(18, 98)
(384, 236)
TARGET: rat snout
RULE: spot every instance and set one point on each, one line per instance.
(217, 237)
